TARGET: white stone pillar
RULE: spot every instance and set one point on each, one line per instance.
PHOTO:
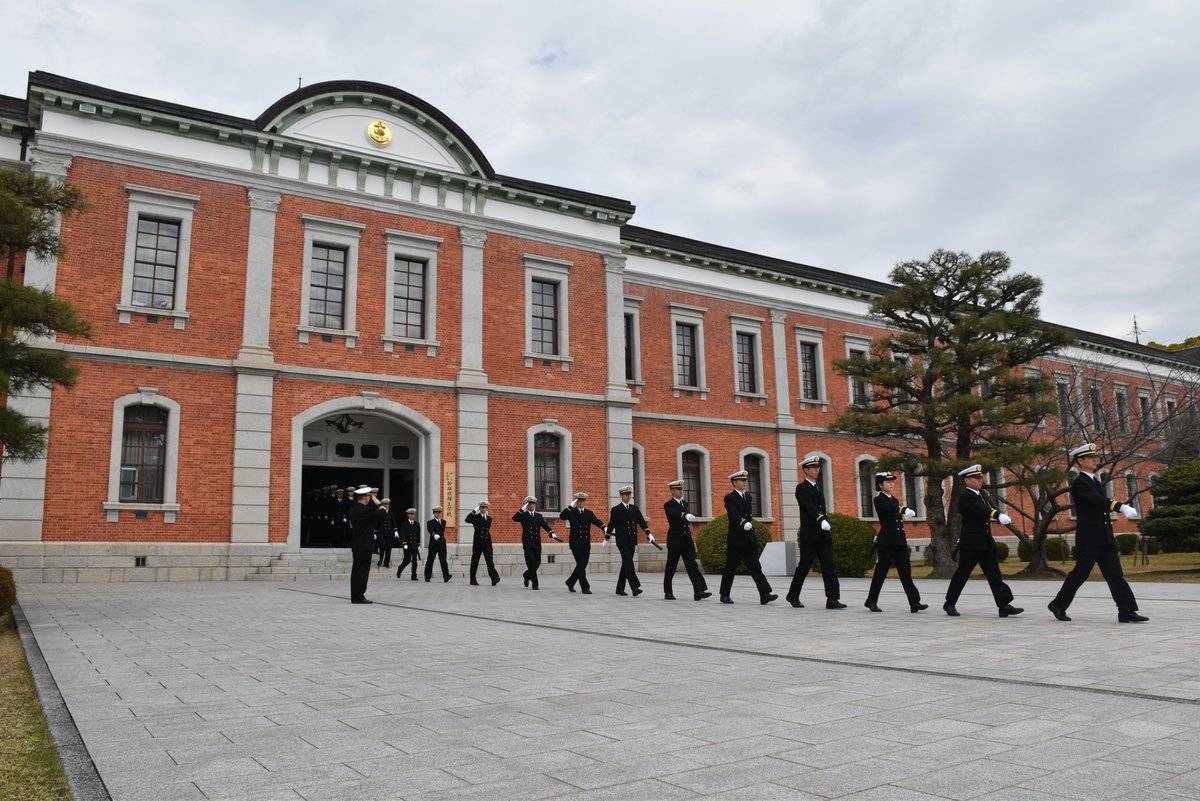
(472, 387)
(788, 514)
(260, 262)
(617, 396)
(471, 369)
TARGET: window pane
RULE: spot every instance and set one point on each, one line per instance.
(858, 387)
(547, 477)
(545, 318)
(866, 487)
(630, 372)
(913, 494)
(369, 451)
(692, 462)
(746, 378)
(808, 371)
(1063, 391)
(344, 449)
(400, 453)
(326, 284)
(154, 258)
(143, 453)
(685, 357)
(995, 488)
(408, 299)
(753, 467)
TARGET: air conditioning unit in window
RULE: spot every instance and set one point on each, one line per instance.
(129, 478)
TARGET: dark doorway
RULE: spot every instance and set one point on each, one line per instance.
(320, 522)
(400, 485)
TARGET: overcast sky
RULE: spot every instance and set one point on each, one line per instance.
(849, 135)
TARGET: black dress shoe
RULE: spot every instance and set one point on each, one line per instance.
(914, 608)
(495, 581)
(834, 605)
(873, 607)
(725, 599)
(586, 592)
(700, 596)
(766, 599)
(526, 578)
(426, 581)
(622, 592)
(362, 601)
(668, 597)
(570, 586)
(474, 583)
(795, 602)
(447, 578)
(951, 611)
(637, 592)
(1059, 614)
(535, 586)
(1008, 610)
(1131, 617)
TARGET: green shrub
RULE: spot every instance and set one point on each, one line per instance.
(853, 539)
(1127, 543)
(1153, 546)
(1172, 526)
(1057, 549)
(1024, 550)
(8, 590)
(713, 540)
(1001, 551)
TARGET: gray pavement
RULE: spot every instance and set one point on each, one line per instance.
(234, 691)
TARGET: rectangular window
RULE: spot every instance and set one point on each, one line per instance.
(809, 387)
(545, 317)
(547, 477)
(408, 299)
(154, 263)
(1170, 408)
(630, 363)
(143, 454)
(686, 373)
(747, 369)
(692, 477)
(1063, 394)
(1145, 419)
(914, 494)
(859, 394)
(753, 466)
(1122, 409)
(1131, 492)
(1096, 399)
(866, 488)
(327, 288)
(995, 487)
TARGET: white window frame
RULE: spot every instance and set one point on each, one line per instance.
(767, 512)
(853, 343)
(163, 204)
(1001, 492)
(633, 308)
(816, 337)
(745, 324)
(1170, 407)
(338, 233)
(1147, 418)
(919, 488)
(1122, 391)
(639, 473)
(415, 247)
(1071, 423)
(826, 478)
(113, 506)
(706, 510)
(864, 514)
(565, 490)
(689, 315)
(1095, 397)
(1134, 500)
(558, 272)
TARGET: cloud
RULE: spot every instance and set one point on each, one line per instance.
(846, 134)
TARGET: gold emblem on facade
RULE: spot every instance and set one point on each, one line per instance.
(380, 132)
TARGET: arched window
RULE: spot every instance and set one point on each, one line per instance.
(1132, 489)
(865, 470)
(547, 470)
(143, 454)
(914, 493)
(826, 478)
(753, 465)
(995, 487)
(693, 469)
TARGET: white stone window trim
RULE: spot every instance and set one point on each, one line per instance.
(557, 272)
(919, 488)
(415, 247)
(639, 485)
(743, 324)
(767, 512)
(854, 342)
(179, 207)
(705, 492)
(337, 233)
(806, 335)
(689, 315)
(633, 308)
(826, 478)
(149, 396)
(1121, 390)
(1134, 500)
(865, 514)
(566, 492)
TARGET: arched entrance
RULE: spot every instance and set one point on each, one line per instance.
(361, 440)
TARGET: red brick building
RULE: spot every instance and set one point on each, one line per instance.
(344, 290)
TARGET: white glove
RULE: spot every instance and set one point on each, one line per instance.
(1004, 519)
(825, 525)
(909, 514)
(604, 542)
(1127, 510)
(553, 536)
(691, 518)
(650, 536)
(475, 510)
(748, 526)
(437, 537)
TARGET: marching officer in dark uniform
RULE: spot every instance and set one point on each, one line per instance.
(816, 541)
(742, 545)
(580, 520)
(892, 545)
(532, 526)
(480, 519)
(437, 545)
(1094, 540)
(410, 541)
(364, 522)
(623, 522)
(386, 533)
(680, 544)
(977, 546)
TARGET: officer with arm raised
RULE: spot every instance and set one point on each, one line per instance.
(580, 520)
(480, 519)
(532, 525)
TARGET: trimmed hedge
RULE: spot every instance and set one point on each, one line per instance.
(1127, 543)
(8, 590)
(1175, 519)
(713, 540)
(1057, 549)
(1024, 550)
(1001, 551)
(853, 545)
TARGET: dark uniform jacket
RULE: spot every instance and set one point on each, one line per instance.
(532, 526)
(679, 530)
(623, 522)
(812, 511)
(435, 526)
(410, 534)
(581, 521)
(364, 522)
(891, 522)
(1094, 528)
(737, 506)
(977, 516)
(483, 527)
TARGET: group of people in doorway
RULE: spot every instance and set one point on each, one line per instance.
(372, 523)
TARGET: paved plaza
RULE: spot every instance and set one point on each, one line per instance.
(274, 691)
